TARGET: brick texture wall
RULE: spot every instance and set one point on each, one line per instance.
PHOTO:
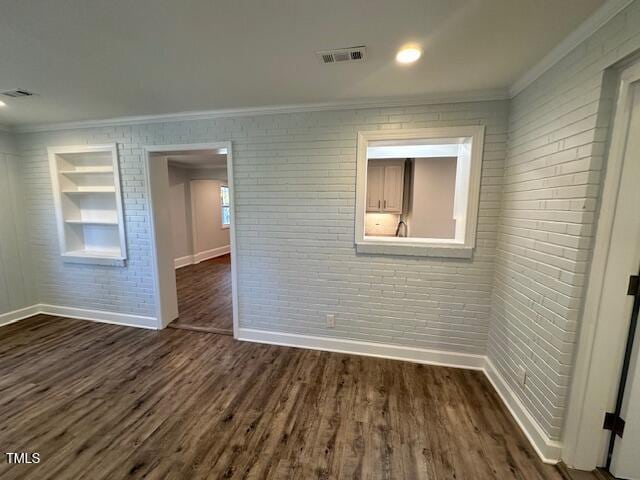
(295, 204)
(558, 130)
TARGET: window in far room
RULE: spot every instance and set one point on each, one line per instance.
(225, 206)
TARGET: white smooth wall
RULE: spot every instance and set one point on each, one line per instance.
(16, 284)
(207, 216)
(195, 210)
(434, 186)
(180, 212)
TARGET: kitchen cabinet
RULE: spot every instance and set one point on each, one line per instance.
(375, 187)
(385, 186)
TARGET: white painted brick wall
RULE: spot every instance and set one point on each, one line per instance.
(558, 130)
(295, 202)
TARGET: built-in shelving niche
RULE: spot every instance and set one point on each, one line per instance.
(86, 189)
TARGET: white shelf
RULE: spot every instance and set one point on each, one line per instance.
(96, 257)
(112, 254)
(88, 171)
(86, 186)
(91, 222)
(85, 190)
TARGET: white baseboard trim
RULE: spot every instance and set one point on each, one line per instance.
(201, 256)
(369, 349)
(213, 253)
(16, 315)
(549, 451)
(82, 314)
(100, 316)
(183, 261)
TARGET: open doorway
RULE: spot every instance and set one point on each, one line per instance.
(200, 220)
(191, 192)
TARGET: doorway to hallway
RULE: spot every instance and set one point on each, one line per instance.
(191, 189)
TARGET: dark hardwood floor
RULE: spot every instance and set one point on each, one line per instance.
(204, 296)
(99, 401)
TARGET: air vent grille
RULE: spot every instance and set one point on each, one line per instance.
(342, 55)
(17, 93)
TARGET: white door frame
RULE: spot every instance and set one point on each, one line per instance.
(163, 314)
(599, 353)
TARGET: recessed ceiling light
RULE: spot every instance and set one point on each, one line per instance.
(2, 104)
(408, 54)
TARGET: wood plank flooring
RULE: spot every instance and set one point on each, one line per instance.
(204, 296)
(99, 401)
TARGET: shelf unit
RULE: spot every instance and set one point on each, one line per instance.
(88, 203)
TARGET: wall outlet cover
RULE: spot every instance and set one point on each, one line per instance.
(331, 320)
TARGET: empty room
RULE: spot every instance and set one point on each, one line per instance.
(334, 240)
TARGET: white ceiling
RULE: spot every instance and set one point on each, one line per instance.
(93, 59)
(197, 159)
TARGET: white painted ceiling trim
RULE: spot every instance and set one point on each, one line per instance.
(471, 96)
(599, 18)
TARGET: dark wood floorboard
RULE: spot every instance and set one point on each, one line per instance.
(204, 296)
(99, 401)
(571, 474)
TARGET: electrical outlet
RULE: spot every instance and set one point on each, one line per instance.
(331, 320)
(522, 375)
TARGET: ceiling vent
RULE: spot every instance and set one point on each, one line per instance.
(342, 55)
(17, 93)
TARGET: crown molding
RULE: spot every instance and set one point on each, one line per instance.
(471, 96)
(591, 25)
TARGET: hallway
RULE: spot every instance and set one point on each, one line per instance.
(204, 296)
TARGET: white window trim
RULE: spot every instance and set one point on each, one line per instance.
(462, 248)
(225, 226)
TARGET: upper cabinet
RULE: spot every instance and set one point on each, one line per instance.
(385, 186)
(88, 203)
(375, 187)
